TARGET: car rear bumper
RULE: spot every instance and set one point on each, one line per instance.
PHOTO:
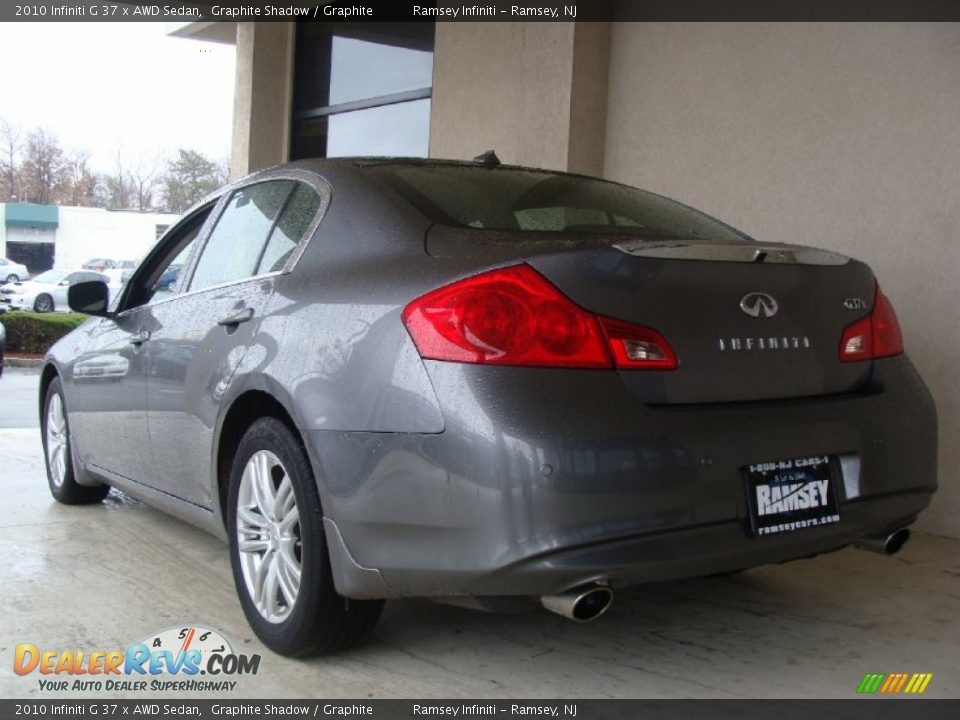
(565, 479)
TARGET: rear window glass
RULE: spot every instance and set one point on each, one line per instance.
(539, 201)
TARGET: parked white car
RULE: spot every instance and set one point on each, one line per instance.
(48, 291)
(12, 272)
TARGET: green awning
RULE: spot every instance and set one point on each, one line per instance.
(28, 215)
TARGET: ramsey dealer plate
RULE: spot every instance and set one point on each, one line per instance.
(787, 495)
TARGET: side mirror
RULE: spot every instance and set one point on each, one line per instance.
(91, 297)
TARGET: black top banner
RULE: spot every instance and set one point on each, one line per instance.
(448, 11)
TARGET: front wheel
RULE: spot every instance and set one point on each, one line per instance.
(55, 432)
(278, 551)
(11, 278)
(44, 303)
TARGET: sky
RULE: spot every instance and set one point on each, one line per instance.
(104, 87)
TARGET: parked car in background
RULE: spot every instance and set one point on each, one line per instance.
(3, 344)
(495, 386)
(99, 264)
(169, 278)
(48, 291)
(127, 268)
(12, 272)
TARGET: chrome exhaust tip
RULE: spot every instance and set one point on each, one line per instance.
(582, 605)
(885, 544)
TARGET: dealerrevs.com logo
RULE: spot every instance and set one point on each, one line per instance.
(172, 660)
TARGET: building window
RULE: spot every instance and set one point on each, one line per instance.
(362, 89)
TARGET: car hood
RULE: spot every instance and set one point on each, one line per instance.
(26, 288)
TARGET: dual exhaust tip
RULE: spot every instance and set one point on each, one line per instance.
(588, 603)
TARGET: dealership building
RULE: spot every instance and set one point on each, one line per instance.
(839, 135)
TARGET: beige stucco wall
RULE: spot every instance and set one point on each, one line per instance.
(523, 89)
(845, 136)
(262, 96)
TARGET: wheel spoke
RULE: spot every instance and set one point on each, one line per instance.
(289, 585)
(253, 545)
(290, 562)
(259, 578)
(270, 583)
(263, 485)
(291, 518)
(250, 520)
(284, 498)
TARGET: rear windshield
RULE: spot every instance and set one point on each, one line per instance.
(539, 201)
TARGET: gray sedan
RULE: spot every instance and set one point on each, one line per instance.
(486, 385)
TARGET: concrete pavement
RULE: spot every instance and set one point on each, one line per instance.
(106, 576)
(18, 398)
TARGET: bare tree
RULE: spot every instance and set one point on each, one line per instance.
(40, 177)
(118, 184)
(143, 184)
(10, 139)
(80, 182)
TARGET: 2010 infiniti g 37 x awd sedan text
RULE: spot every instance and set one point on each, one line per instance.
(485, 385)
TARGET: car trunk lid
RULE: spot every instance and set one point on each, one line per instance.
(748, 321)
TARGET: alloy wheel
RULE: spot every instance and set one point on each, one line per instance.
(56, 440)
(268, 536)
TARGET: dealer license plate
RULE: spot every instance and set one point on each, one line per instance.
(788, 495)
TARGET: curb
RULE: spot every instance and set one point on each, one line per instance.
(16, 362)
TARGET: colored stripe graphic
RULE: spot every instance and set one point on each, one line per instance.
(870, 683)
(894, 683)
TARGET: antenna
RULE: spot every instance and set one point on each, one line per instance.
(488, 158)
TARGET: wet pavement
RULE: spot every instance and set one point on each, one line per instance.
(107, 576)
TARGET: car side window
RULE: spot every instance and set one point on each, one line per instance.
(158, 277)
(236, 242)
(294, 222)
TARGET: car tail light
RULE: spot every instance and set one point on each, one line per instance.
(514, 316)
(875, 336)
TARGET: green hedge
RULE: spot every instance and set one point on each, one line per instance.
(30, 332)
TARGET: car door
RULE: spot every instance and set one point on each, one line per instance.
(108, 401)
(200, 340)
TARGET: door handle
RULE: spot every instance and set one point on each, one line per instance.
(140, 338)
(238, 317)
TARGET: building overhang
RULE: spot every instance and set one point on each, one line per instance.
(28, 215)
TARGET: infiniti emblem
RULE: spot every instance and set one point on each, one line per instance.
(757, 302)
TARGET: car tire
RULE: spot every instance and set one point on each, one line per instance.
(11, 278)
(43, 303)
(58, 453)
(313, 619)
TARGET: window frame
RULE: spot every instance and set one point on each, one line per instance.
(219, 200)
(298, 116)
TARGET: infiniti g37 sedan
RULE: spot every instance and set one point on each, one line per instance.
(485, 385)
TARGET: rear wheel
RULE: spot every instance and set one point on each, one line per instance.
(43, 303)
(61, 476)
(281, 567)
(12, 278)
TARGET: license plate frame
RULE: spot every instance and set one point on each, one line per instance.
(785, 496)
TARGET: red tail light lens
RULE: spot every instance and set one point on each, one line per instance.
(875, 336)
(514, 316)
